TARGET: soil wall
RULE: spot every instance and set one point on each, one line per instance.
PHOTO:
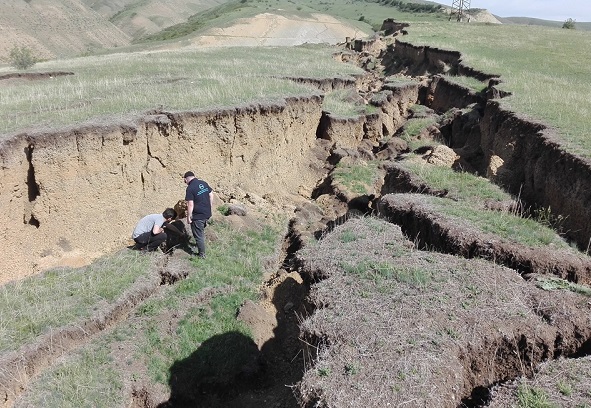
(531, 164)
(69, 196)
(523, 156)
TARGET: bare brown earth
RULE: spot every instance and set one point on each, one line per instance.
(387, 323)
(269, 29)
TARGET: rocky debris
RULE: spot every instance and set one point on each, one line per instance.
(441, 155)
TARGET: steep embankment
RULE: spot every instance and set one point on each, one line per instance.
(521, 155)
(77, 193)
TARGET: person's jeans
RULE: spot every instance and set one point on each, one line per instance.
(150, 241)
(198, 230)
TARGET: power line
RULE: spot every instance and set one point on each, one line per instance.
(459, 8)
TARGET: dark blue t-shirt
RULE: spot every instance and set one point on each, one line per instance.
(198, 191)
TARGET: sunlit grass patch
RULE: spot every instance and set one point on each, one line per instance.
(346, 103)
(468, 82)
(386, 270)
(507, 225)
(119, 85)
(235, 265)
(546, 69)
(59, 297)
(357, 177)
(206, 338)
(89, 379)
(460, 185)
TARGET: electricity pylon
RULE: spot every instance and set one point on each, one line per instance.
(460, 8)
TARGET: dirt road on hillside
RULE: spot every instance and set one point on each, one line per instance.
(276, 30)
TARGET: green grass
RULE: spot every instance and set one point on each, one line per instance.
(59, 297)
(412, 128)
(348, 236)
(546, 69)
(379, 271)
(506, 225)
(463, 186)
(554, 283)
(117, 85)
(346, 103)
(207, 340)
(87, 380)
(234, 263)
(471, 83)
(357, 177)
(529, 397)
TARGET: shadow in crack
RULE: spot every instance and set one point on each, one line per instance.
(229, 370)
(220, 369)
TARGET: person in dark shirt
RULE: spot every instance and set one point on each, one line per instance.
(199, 197)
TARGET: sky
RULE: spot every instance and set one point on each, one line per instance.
(557, 10)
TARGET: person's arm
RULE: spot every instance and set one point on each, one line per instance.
(190, 205)
(157, 229)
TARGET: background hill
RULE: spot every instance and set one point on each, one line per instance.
(56, 28)
(546, 23)
(61, 28)
(138, 18)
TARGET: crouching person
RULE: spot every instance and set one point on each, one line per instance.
(149, 232)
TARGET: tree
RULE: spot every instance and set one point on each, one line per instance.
(22, 57)
(569, 24)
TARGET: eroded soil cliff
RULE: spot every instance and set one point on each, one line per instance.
(389, 318)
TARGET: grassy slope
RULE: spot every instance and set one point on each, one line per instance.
(547, 69)
(223, 78)
(92, 376)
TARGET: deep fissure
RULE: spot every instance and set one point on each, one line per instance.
(366, 204)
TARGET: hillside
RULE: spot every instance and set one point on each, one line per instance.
(389, 306)
(59, 28)
(55, 28)
(138, 18)
(545, 23)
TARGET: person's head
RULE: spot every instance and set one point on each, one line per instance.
(169, 214)
(188, 177)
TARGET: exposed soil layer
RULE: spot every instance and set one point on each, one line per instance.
(385, 321)
(429, 228)
(33, 75)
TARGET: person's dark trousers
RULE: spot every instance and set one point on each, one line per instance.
(198, 230)
(150, 241)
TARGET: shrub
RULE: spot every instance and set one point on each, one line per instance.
(569, 24)
(22, 57)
